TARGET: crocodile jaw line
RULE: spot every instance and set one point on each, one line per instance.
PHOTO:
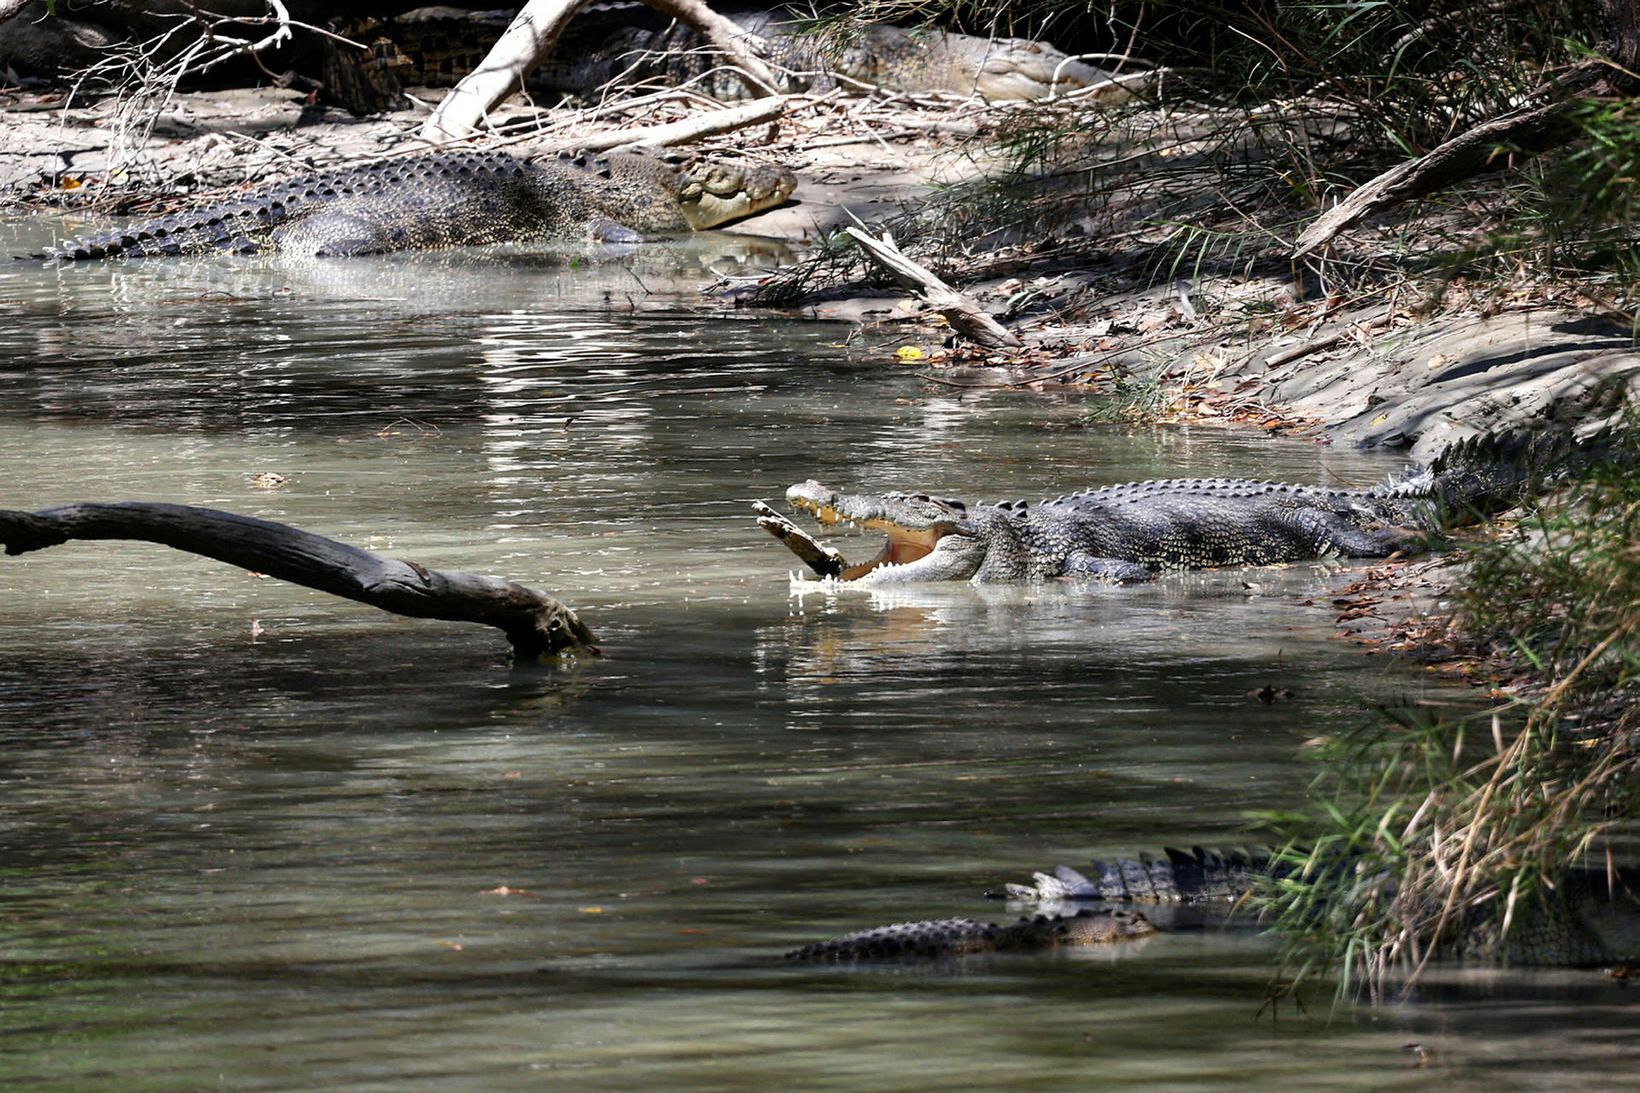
(904, 544)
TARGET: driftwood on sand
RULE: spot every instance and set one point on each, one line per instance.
(535, 623)
(965, 316)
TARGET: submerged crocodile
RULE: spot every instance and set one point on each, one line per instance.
(451, 199)
(946, 937)
(1131, 532)
(1591, 919)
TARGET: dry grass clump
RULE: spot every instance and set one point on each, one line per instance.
(1455, 826)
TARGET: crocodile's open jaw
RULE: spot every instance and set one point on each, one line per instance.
(916, 524)
(904, 544)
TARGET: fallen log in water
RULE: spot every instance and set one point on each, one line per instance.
(535, 623)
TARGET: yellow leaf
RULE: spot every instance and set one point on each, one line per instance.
(910, 353)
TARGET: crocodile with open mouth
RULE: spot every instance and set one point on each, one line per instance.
(1131, 532)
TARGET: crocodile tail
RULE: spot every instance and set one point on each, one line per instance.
(1183, 876)
(903, 940)
(949, 937)
(1482, 475)
(228, 228)
(245, 223)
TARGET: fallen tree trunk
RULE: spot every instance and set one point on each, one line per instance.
(533, 33)
(1529, 130)
(1542, 123)
(536, 624)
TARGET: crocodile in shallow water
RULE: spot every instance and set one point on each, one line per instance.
(1131, 532)
(945, 937)
(451, 199)
(1590, 919)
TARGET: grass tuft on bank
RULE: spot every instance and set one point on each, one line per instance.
(1455, 828)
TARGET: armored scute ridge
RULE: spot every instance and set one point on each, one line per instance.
(451, 199)
(1131, 532)
(1183, 876)
(949, 937)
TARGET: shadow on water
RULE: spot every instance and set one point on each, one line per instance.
(354, 849)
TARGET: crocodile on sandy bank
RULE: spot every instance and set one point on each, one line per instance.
(435, 46)
(1589, 920)
(869, 57)
(1131, 532)
(451, 199)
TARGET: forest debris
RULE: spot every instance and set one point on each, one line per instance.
(965, 316)
(1315, 345)
(692, 128)
(532, 36)
(1532, 128)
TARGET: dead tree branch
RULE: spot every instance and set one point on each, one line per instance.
(687, 129)
(535, 623)
(1542, 122)
(965, 316)
(534, 32)
(143, 76)
(1529, 130)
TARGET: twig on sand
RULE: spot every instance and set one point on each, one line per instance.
(1315, 345)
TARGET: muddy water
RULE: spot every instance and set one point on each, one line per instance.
(251, 836)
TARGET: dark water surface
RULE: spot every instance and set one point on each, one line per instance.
(353, 850)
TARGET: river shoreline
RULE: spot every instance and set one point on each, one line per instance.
(1247, 351)
(1259, 348)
